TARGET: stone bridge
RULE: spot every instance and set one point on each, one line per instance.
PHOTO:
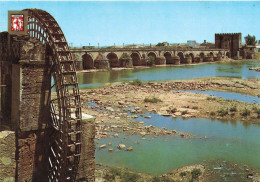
(129, 57)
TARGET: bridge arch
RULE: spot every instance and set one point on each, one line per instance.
(211, 54)
(168, 57)
(192, 57)
(202, 56)
(113, 60)
(136, 58)
(152, 54)
(87, 61)
(181, 56)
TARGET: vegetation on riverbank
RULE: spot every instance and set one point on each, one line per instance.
(215, 170)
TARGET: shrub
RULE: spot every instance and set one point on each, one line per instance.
(183, 173)
(155, 179)
(195, 173)
(184, 112)
(212, 113)
(258, 113)
(137, 82)
(150, 61)
(173, 110)
(125, 55)
(130, 177)
(166, 179)
(222, 112)
(244, 84)
(233, 109)
(245, 112)
(254, 108)
(111, 175)
(163, 179)
(153, 100)
(195, 107)
(115, 171)
(211, 98)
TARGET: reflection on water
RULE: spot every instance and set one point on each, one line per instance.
(180, 72)
(231, 141)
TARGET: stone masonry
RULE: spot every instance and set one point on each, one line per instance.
(231, 41)
(7, 156)
(25, 70)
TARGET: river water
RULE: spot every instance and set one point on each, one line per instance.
(164, 73)
(237, 142)
(228, 95)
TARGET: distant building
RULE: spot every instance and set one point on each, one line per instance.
(231, 41)
(191, 43)
(88, 47)
(207, 45)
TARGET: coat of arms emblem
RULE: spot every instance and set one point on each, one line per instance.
(17, 22)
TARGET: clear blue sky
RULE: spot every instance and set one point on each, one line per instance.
(109, 22)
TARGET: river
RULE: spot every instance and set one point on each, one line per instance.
(164, 73)
(234, 141)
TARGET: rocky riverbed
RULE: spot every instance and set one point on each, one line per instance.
(116, 105)
(114, 102)
(213, 171)
(256, 69)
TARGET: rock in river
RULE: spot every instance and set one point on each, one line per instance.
(121, 146)
(102, 146)
(130, 149)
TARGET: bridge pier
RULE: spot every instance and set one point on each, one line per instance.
(176, 60)
(208, 59)
(198, 59)
(101, 62)
(187, 60)
(160, 60)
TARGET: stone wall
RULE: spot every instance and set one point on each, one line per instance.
(25, 69)
(7, 156)
(32, 156)
(87, 160)
(31, 87)
(6, 82)
(25, 72)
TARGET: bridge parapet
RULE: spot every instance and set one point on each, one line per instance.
(86, 58)
(144, 49)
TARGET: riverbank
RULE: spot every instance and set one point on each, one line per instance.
(174, 103)
(256, 69)
(215, 170)
(116, 105)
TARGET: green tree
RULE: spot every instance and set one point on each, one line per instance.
(150, 61)
(250, 40)
(160, 44)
